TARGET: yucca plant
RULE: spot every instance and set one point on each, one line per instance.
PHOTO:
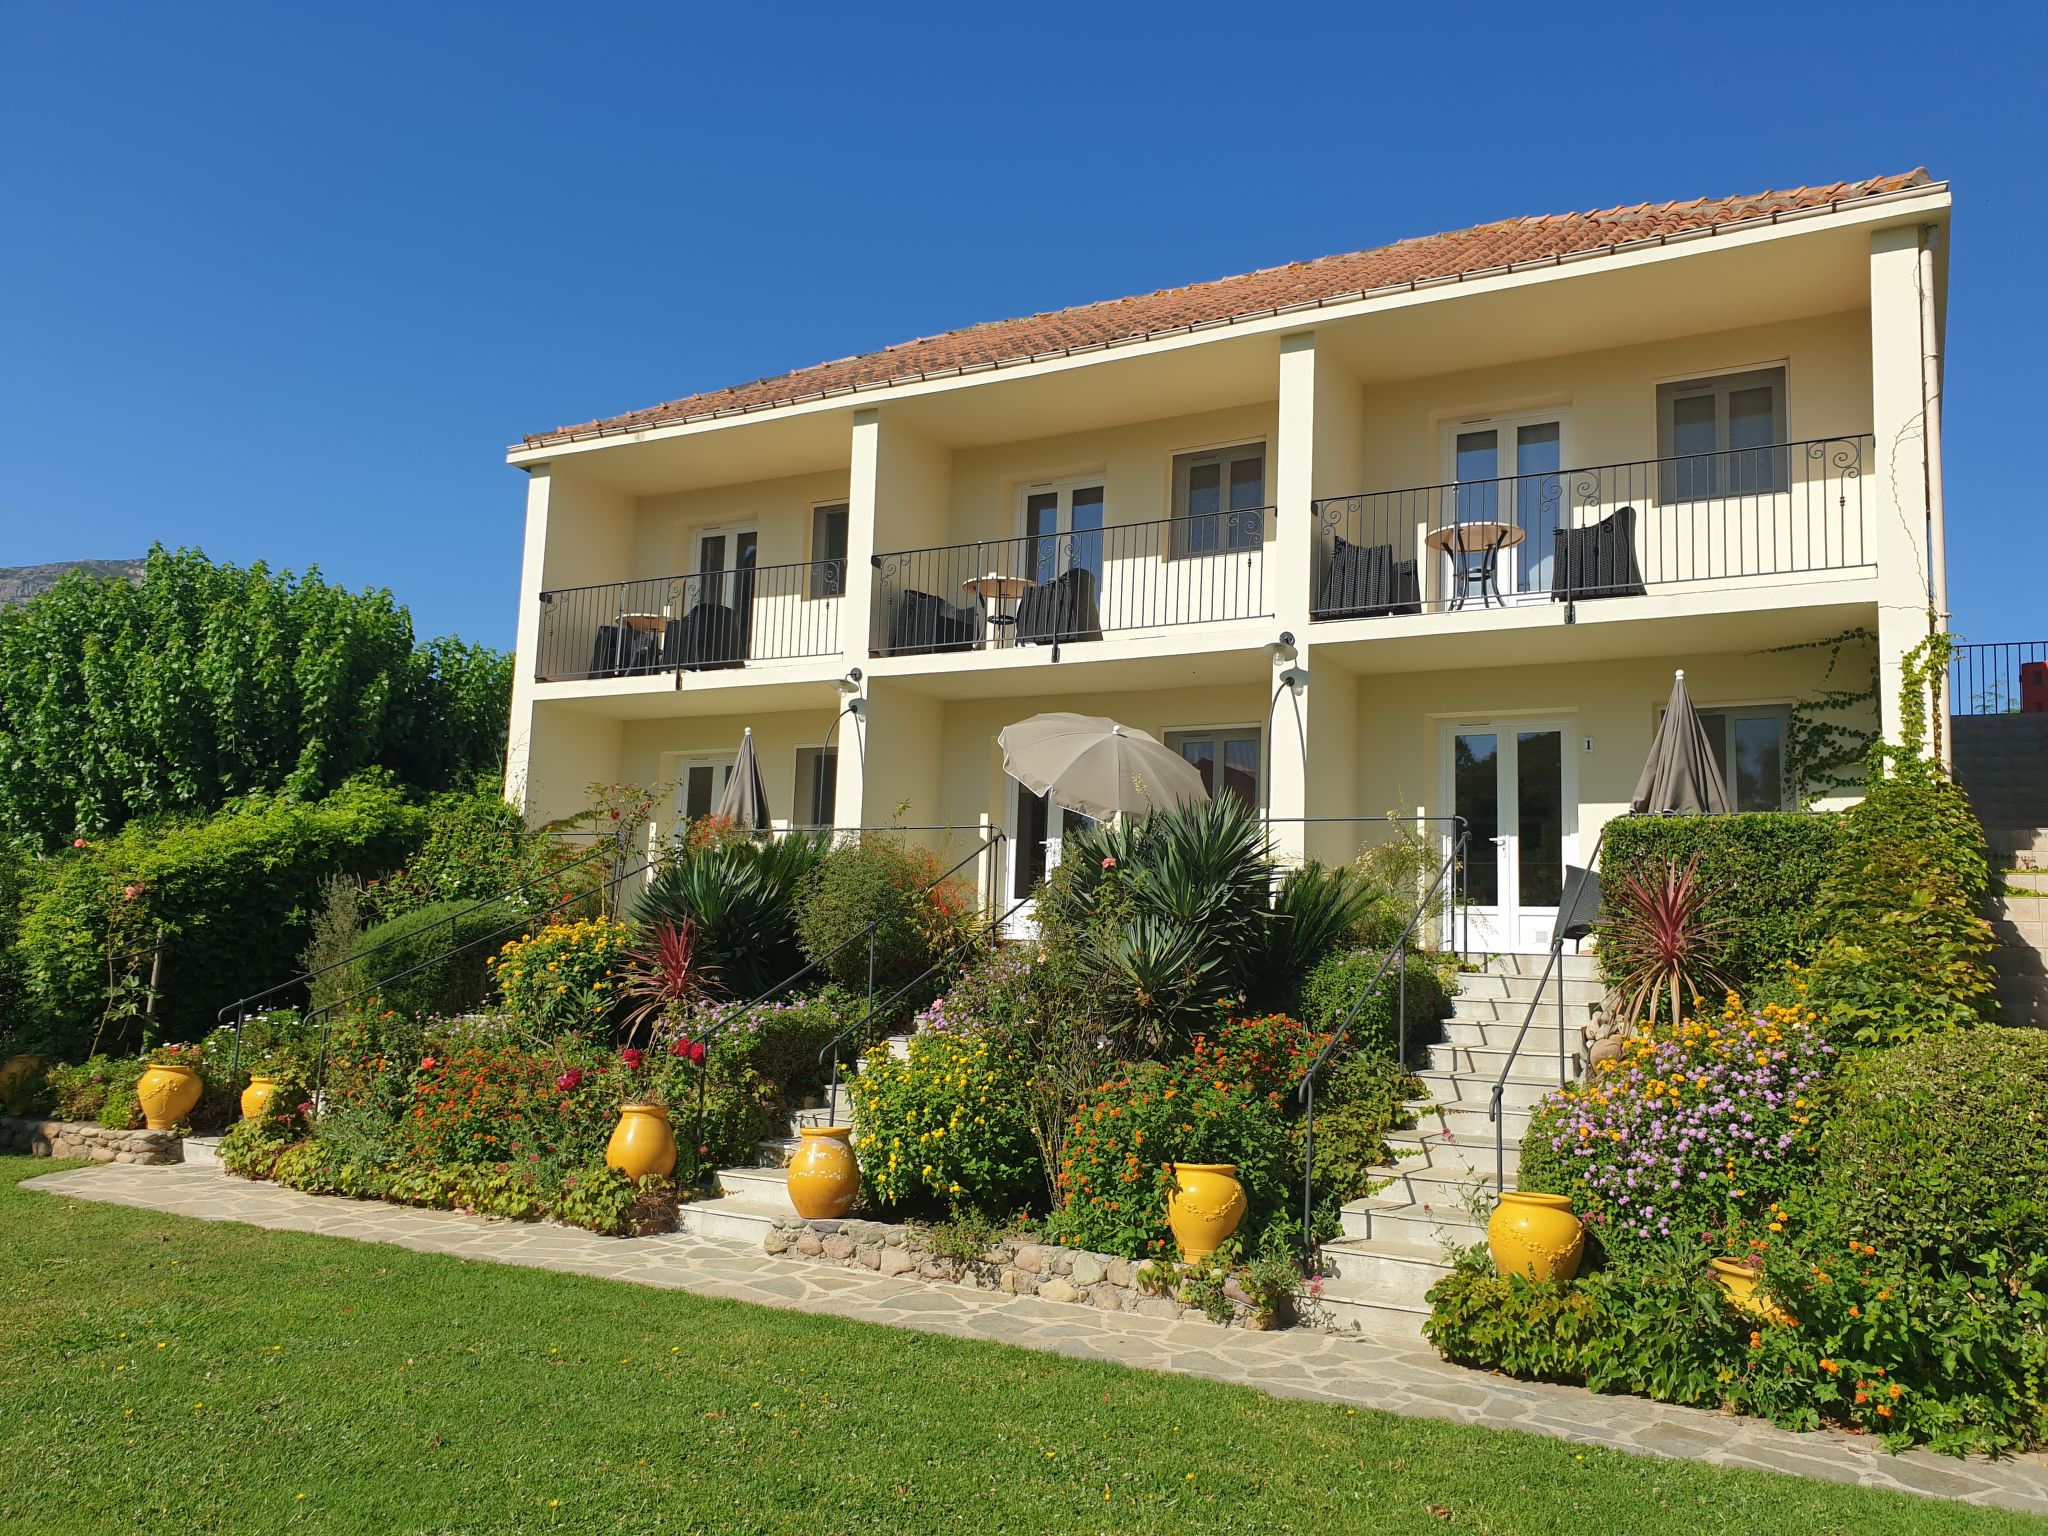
(1315, 913)
(741, 894)
(1660, 936)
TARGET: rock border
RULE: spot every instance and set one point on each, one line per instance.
(1013, 1266)
(88, 1140)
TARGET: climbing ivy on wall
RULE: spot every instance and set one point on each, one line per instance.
(1832, 732)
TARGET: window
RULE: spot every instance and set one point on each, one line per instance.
(1219, 500)
(1228, 761)
(817, 785)
(1723, 436)
(828, 550)
(1749, 749)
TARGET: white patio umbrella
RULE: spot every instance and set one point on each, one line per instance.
(1091, 764)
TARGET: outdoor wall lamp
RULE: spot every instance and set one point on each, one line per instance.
(849, 693)
(1281, 650)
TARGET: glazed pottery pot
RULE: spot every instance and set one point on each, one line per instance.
(1204, 1208)
(823, 1177)
(167, 1095)
(18, 1076)
(1739, 1281)
(257, 1096)
(1535, 1235)
(642, 1143)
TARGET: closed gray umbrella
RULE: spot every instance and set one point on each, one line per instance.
(1089, 763)
(745, 801)
(1681, 776)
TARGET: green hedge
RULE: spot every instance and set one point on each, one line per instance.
(1335, 983)
(455, 985)
(232, 894)
(1770, 864)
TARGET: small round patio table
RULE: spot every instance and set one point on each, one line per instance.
(1474, 551)
(993, 590)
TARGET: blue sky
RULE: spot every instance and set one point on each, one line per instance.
(283, 281)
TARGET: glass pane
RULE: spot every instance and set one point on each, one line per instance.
(1694, 440)
(1478, 459)
(1716, 726)
(1759, 763)
(1087, 525)
(746, 547)
(828, 552)
(1204, 530)
(1752, 427)
(1029, 858)
(1539, 817)
(698, 784)
(1539, 455)
(1247, 498)
(1201, 751)
(1241, 769)
(711, 552)
(1041, 524)
(1476, 797)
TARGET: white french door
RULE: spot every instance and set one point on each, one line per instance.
(1062, 529)
(1516, 784)
(724, 574)
(1037, 829)
(1509, 470)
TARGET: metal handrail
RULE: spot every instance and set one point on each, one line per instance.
(221, 1018)
(694, 621)
(1984, 679)
(1306, 1091)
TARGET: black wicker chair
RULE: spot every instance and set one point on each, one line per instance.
(1597, 561)
(1061, 610)
(1365, 580)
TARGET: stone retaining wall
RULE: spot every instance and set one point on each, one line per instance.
(1016, 1266)
(85, 1139)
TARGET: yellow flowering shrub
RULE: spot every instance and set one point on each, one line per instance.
(565, 975)
(946, 1125)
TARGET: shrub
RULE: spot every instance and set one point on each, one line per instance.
(1691, 1129)
(742, 895)
(401, 962)
(917, 917)
(1114, 1173)
(1003, 989)
(778, 1041)
(1764, 868)
(1397, 874)
(945, 1125)
(562, 976)
(231, 895)
(476, 848)
(1906, 952)
(1361, 1099)
(1334, 985)
(96, 1086)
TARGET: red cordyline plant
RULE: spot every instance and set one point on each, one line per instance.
(664, 978)
(1659, 937)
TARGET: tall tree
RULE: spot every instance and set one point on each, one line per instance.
(204, 681)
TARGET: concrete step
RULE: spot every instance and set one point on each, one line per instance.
(1393, 1323)
(1385, 1272)
(1487, 1062)
(1513, 1010)
(2026, 883)
(1465, 1119)
(1441, 1186)
(1575, 966)
(1466, 1155)
(759, 1186)
(1499, 1035)
(202, 1151)
(1491, 988)
(1377, 1216)
(730, 1220)
(1524, 1088)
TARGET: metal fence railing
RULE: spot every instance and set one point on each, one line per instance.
(1998, 679)
(697, 622)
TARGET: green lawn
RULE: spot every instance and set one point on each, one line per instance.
(172, 1375)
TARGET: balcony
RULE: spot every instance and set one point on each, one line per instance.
(703, 621)
(1607, 532)
(1074, 585)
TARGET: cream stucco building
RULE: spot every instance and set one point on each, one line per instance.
(1493, 488)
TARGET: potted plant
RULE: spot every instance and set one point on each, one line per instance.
(643, 1142)
(169, 1090)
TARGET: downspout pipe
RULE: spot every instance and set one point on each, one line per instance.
(1930, 459)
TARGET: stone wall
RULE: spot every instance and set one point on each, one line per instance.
(85, 1139)
(1015, 1266)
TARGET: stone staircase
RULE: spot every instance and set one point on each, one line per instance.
(1392, 1250)
(2002, 762)
(749, 1199)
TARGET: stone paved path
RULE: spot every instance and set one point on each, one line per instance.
(1403, 1377)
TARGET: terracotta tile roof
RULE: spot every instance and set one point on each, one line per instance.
(1483, 248)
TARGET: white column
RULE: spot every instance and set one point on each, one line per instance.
(532, 568)
(1898, 477)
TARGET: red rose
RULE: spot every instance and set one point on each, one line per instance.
(696, 1053)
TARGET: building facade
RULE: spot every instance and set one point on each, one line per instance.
(1423, 530)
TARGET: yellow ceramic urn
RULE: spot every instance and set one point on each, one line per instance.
(823, 1177)
(1535, 1236)
(257, 1096)
(1739, 1281)
(167, 1095)
(642, 1143)
(1204, 1207)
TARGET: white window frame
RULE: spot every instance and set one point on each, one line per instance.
(731, 533)
(680, 765)
(1729, 714)
(1237, 537)
(1176, 735)
(815, 581)
(1719, 386)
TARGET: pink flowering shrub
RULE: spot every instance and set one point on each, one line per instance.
(1692, 1129)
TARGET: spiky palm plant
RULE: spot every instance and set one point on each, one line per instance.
(741, 893)
(1660, 936)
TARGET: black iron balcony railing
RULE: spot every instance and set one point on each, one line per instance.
(1079, 584)
(704, 620)
(1612, 530)
(2006, 678)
